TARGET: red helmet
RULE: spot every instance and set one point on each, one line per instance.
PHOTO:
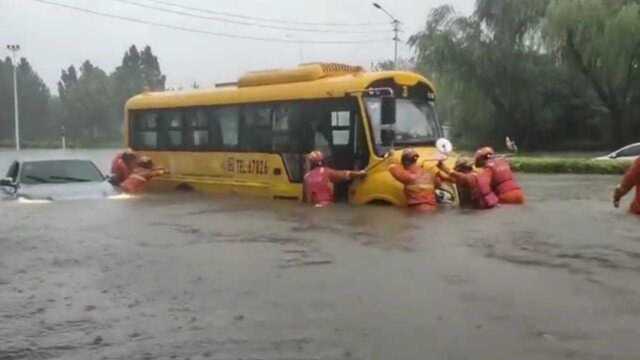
(409, 156)
(315, 157)
(128, 155)
(463, 164)
(484, 153)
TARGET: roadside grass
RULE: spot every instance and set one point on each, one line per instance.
(557, 165)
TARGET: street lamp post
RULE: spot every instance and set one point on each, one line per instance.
(14, 49)
(396, 29)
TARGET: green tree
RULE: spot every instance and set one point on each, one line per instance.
(6, 100)
(33, 96)
(600, 39)
(497, 76)
(138, 71)
(33, 99)
(150, 68)
(403, 64)
(87, 103)
(493, 62)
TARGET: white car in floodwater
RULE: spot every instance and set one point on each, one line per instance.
(49, 180)
(627, 153)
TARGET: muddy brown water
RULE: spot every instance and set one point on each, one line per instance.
(189, 276)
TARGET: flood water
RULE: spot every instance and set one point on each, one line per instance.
(190, 276)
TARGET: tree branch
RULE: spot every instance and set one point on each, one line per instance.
(579, 60)
(627, 87)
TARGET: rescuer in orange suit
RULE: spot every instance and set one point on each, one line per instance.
(631, 179)
(122, 166)
(503, 182)
(477, 184)
(318, 182)
(419, 184)
(142, 173)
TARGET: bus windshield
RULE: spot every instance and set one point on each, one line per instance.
(415, 121)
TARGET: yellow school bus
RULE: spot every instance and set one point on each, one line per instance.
(251, 137)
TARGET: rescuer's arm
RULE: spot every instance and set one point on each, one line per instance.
(631, 178)
(438, 180)
(306, 193)
(444, 174)
(401, 174)
(458, 177)
(159, 172)
(337, 176)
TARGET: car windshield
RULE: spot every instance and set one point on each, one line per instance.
(632, 150)
(415, 121)
(59, 171)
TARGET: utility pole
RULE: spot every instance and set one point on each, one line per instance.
(14, 49)
(396, 40)
(396, 30)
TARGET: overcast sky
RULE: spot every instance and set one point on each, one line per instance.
(53, 37)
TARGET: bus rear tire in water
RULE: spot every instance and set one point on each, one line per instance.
(379, 202)
(184, 187)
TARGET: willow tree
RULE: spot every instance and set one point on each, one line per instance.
(492, 63)
(601, 40)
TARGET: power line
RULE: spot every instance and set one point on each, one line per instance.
(205, 32)
(262, 19)
(245, 23)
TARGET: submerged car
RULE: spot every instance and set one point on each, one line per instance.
(48, 180)
(627, 153)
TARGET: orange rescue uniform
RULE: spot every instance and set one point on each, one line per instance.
(503, 182)
(478, 184)
(318, 184)
(136, 182)
(630, 180)
(419, 186)
(119, 169)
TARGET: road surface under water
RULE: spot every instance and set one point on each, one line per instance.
(188, 276)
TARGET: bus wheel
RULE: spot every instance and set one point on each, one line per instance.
(379, 203)
(184, 187)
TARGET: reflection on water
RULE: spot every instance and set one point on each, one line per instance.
(186, 275)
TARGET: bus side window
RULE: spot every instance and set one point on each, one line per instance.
(227, 121)
(174, 123)
(288, 134)
(145, 130)
(198, 128)
(256, 132)
(318, 136)
(340, 127)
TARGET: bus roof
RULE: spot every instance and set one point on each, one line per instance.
(277, 85)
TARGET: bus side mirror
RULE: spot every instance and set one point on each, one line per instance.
(388, 111)
(387, 136)
(444, 146)
(7, 182)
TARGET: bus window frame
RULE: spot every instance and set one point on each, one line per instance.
(134, 131)
(245, 138)
(167, 127)
(354, 104)
(189, 115)
(412, 91)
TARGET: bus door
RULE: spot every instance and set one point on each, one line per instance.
(337, 131)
